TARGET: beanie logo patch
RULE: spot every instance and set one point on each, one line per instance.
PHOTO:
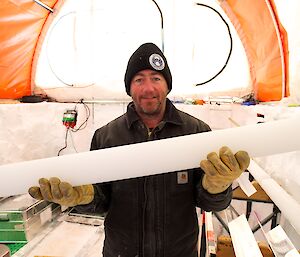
(157, 62)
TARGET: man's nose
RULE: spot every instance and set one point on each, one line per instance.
(148, 84)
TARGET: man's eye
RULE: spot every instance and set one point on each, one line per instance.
(156, 78)
(138, 80)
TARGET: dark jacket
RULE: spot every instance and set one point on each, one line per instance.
(152, 216)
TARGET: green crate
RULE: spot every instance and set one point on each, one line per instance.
(11, 216)
(22, 218)
(12, 236)
(15, 247)
(12, 225)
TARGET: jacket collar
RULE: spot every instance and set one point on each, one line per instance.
(171, 114)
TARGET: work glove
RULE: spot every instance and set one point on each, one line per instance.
(220, 171)
(53, 190)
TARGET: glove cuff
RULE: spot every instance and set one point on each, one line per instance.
(85, 194)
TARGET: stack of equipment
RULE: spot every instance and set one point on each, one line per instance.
(22, 217)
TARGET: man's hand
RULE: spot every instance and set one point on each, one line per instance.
(53, 190)
(221, 171)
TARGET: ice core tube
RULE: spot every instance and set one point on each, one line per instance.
(154, 157)
(287, 205)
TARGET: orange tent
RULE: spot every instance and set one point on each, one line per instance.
(23, 25)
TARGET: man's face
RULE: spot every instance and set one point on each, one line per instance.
(149, 90)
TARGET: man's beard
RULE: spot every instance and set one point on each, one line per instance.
(151, 111)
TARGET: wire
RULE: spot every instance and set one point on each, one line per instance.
(88, 114)
(47, 49)
(72, 139)
(81, 127)
(66, 142)
(162, 25)
(231, 43)
(48, 57)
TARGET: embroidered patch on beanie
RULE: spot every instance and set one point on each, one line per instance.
(156, 62)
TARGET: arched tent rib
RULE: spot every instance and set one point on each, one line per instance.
(283, 39)
(57, 5)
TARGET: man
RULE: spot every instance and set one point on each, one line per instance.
(153, 215)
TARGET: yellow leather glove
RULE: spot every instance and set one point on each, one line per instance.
(221, 171)
(53, 190)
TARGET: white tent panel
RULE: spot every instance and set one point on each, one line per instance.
(289, 17)
(209, 41)
(88, 45)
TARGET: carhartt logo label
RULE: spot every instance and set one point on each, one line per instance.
(182, 177)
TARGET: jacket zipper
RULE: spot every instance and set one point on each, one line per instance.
(149, 137)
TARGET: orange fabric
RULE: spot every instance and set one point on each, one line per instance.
(255, 26)
(284, 41)
(21, 23)
(41, 39)
(20, 26)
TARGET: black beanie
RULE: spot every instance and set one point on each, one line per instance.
(147, 56)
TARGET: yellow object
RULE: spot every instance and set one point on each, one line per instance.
(53, 190)
(221, 171)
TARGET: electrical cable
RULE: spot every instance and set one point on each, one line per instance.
(162, 25)
(48, 58)
(72, 139)
(81, 127)
(230, 50)
(88, 114)
(66, 142)
(47, 50)
(74, 13)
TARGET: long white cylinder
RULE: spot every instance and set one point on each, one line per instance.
(153, 157)
(289, 207)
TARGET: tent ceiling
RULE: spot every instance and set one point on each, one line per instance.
(24, 25)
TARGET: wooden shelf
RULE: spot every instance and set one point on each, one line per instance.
(259, 196)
